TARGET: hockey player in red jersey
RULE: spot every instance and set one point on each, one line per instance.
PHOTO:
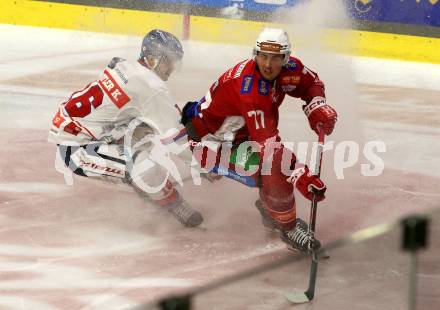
(242, 106)
(99, 130)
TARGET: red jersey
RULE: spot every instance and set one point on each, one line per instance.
(242, 105)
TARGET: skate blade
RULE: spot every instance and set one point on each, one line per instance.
(322, 255)
(271, 230)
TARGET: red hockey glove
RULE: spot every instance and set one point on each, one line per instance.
(307, 184)
(320, 113)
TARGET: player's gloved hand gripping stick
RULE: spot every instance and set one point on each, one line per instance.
(302, 297)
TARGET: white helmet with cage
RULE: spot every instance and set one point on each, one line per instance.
(275, 41)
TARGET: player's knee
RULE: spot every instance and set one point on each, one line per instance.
(146, 174)
(276, 186)
(277, 201)
(66, 153)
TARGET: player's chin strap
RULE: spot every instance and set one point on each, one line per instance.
(146, 63)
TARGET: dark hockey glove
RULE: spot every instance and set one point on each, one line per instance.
(189, 111)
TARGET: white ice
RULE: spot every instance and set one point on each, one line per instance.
(106, 245)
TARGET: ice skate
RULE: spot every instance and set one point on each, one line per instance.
(298, 237)
(186, 215)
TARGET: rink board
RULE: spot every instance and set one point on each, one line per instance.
(219, 30)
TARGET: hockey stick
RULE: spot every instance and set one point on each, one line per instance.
(302, 297)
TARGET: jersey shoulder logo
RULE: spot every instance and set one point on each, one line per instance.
(113, 90)
(246, 84)
(121, 75)
(291, 65)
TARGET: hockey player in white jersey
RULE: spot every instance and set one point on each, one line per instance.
(109, 128)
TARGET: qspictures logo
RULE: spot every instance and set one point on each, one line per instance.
(244, 162)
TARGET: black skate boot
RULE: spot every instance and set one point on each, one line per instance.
(184, 213)
(298, 237)
(266, 220)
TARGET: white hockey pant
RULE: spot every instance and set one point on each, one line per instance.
(108, 161)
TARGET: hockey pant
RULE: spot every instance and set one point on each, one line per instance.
(108, 161)
(276, 193)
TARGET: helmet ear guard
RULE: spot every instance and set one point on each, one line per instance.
(273, 41)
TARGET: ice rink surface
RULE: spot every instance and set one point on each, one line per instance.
(97, 245)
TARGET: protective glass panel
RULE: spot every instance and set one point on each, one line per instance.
(428, 268)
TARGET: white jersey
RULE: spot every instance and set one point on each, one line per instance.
(124, 91)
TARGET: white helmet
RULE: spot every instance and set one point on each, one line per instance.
(273, 40)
